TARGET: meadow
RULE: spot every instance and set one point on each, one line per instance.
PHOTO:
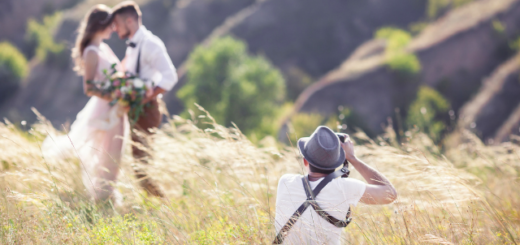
(221, 189)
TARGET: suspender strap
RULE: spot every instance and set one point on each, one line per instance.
(331, 219)
(138, 65)
(285, 229)
(311, 201)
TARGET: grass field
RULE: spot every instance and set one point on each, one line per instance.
(221, 189)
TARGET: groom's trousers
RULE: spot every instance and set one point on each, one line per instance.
(151, 118)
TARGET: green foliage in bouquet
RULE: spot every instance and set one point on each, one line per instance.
(426, 112)
(397, 58)
(126, 90)
(234, 87)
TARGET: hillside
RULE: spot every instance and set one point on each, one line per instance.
(329, 42)
(316, 47)
(493, 112)
(456, 53)
(14, 15)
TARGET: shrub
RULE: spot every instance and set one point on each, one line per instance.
(13, 64)
(397, 58)
(304, 124)
(344, 120)
(40, 36)
(234, 87)
(426, 112)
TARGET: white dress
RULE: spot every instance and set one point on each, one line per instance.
(97, 135)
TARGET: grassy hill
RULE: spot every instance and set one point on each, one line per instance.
(220, 189)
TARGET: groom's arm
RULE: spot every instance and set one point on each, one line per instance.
(160, 60)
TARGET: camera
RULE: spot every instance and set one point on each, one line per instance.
(342, 138)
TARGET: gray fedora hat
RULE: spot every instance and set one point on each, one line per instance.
(323, 149)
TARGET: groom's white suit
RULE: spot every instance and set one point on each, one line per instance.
(155, 63)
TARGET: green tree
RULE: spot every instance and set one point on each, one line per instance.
(234, 87)
(427, 111)
(40, 37)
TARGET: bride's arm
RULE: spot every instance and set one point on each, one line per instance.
(91, 62)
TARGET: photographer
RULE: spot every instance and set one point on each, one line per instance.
(314, 209)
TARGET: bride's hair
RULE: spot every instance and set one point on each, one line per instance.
(97, 19)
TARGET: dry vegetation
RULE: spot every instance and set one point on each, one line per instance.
(221, 189)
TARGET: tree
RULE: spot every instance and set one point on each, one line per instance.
(427, 111)
(40, 39)
(234, 87)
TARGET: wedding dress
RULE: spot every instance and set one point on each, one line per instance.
(97, 136)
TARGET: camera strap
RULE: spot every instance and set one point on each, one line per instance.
(311, 201)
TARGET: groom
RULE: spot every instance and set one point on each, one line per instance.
(147, 58)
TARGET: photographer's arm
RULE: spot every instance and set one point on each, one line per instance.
(379, 190)
(91, 62)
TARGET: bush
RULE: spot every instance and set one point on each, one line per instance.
(344, 120)
(304, 124)
(13, 64)
(234, 87)
(427, 111)
(397, 58)
(40, 37)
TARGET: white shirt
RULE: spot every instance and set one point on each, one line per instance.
(335, 198)
(156, 65)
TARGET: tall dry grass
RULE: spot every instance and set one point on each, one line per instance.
(221, 189)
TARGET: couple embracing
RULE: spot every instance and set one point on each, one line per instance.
(98, 134)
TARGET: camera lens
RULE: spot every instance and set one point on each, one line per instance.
(341, 137)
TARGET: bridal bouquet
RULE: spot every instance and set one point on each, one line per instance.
(126, 90)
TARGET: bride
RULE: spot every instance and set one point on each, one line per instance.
(97, 135)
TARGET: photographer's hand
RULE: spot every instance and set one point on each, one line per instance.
(348, 147)
(379, 190)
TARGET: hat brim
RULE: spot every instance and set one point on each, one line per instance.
(301, 146)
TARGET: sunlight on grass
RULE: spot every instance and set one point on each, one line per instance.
(221, 189)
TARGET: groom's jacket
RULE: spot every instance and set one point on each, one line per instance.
(155, 64)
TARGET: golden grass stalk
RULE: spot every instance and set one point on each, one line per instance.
(221, 189)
